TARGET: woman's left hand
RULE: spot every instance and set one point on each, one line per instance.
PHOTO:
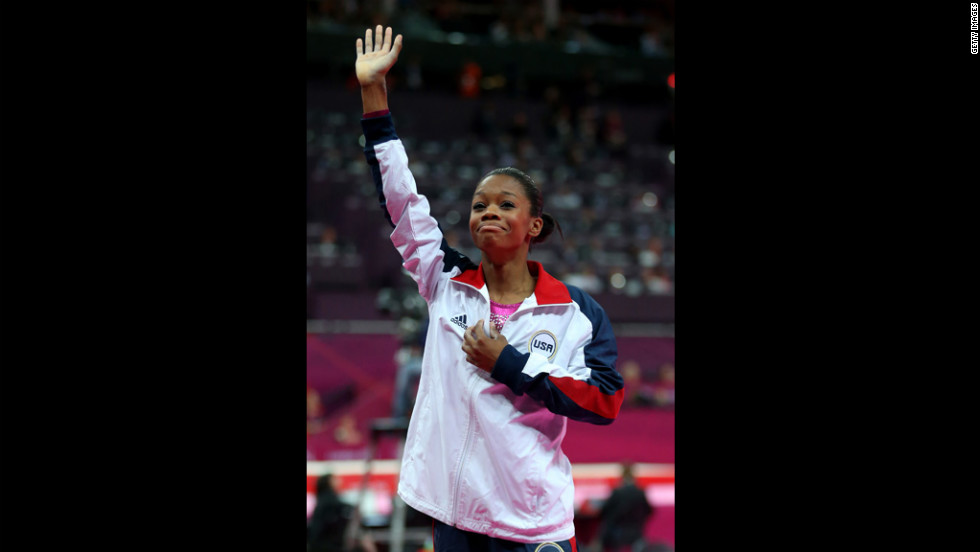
(481, 349)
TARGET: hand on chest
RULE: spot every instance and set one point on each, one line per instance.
(529, 330)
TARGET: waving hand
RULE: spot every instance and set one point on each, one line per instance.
(375, 56)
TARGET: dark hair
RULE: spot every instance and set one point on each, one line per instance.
(533, 193)
(324, 484)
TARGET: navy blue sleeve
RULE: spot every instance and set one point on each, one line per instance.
(378, 130)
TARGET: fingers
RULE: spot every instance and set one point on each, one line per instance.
(471, 332)
(384, 41)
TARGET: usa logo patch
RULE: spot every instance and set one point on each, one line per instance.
(543, 342)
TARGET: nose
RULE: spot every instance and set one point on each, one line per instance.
(490, 213)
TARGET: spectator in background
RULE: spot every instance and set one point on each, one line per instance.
(624, 515)
(651, 43)
(469, 79)
(657, 280)
(586, 279)
(329, 246)
(652, 254)
(587, 128)
(314, 411)
(613, 133)
(663, 389)
(325, 532)
(408, 358)
(500, 29)
(638, 393)
(566, 198)
(346, 432)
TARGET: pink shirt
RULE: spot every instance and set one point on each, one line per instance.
(500, 313)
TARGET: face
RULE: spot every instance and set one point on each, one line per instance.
(500, 215)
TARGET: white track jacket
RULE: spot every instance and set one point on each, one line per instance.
(483, 451)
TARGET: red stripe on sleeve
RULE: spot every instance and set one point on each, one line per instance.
(589, 396)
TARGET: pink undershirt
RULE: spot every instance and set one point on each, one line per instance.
(500, 313)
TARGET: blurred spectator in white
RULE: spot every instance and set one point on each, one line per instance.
(635, 287)
(657, 280)
(652, 254)
(565, 198)
(329, 248)
(585, 279)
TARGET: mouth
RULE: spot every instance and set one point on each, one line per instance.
(489, 228)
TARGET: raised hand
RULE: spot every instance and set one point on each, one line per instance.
(375, 56)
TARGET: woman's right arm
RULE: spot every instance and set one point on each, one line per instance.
(374, 60)
(416, 235)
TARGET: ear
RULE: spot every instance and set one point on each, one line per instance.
(536, 225)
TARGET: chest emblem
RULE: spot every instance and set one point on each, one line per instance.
(459, 321)
(543, 342)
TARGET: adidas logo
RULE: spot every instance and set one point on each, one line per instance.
(459, 321)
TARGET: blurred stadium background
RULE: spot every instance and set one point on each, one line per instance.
(578, 94)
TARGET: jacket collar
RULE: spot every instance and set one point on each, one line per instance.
(548, 290)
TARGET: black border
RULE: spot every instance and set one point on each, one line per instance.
(819, 147)
(145, 153)
(153, 275)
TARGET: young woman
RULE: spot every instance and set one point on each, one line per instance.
(511, 352)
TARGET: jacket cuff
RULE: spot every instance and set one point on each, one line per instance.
(378, 129)
(509, 369)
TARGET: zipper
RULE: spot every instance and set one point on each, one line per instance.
(474, 379)
(466, 444)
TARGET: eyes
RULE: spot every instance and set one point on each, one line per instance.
(479, 205)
